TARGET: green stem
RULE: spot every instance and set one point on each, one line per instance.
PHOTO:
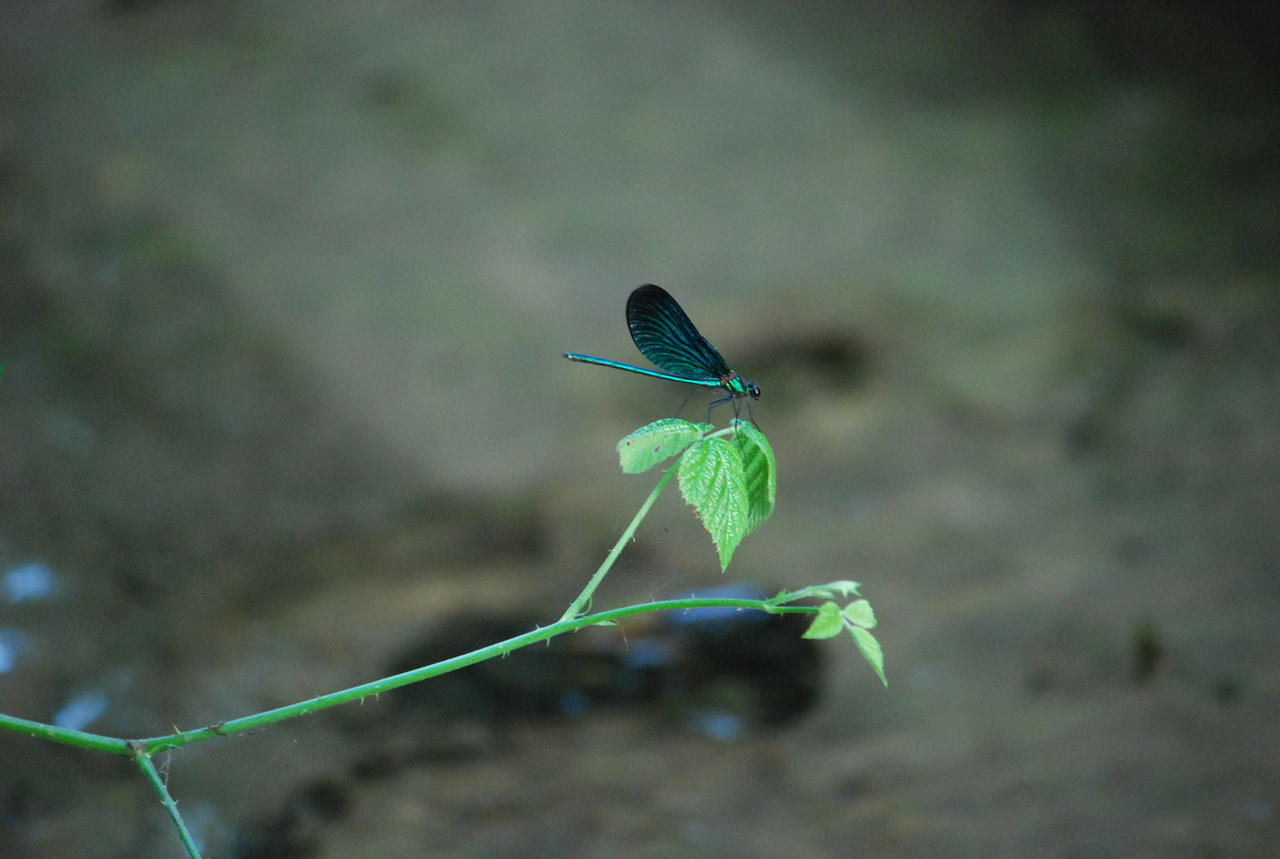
(142, 750)
(144, 762)
(96, 742)
(584, 598)
(150, 746)
(302, 708)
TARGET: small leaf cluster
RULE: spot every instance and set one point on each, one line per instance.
(858, 617)
(731, 483)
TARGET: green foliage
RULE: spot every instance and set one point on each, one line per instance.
(650, 445)
(860, 614)
(826, 623)
(870, 649)
(731, 483)
(760, 471)
(835, 590)
(713, 484)
(858, 617)
(729, 477)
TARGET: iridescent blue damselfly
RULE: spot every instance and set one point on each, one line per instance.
(662, 331)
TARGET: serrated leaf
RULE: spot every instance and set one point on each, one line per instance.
(826, 623)
(711, 482)
(860, 614)
(870, 650)
(650, 445)
(760, 470)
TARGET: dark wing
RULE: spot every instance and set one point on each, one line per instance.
(663, 332)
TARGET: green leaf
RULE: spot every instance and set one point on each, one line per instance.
(650, 445)
(712, 484)
(844, 587)
(860, 614)
(870, 649)
(760, 470)
(826, 623)
(834, 590)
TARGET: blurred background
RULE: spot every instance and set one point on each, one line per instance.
(283, 292)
